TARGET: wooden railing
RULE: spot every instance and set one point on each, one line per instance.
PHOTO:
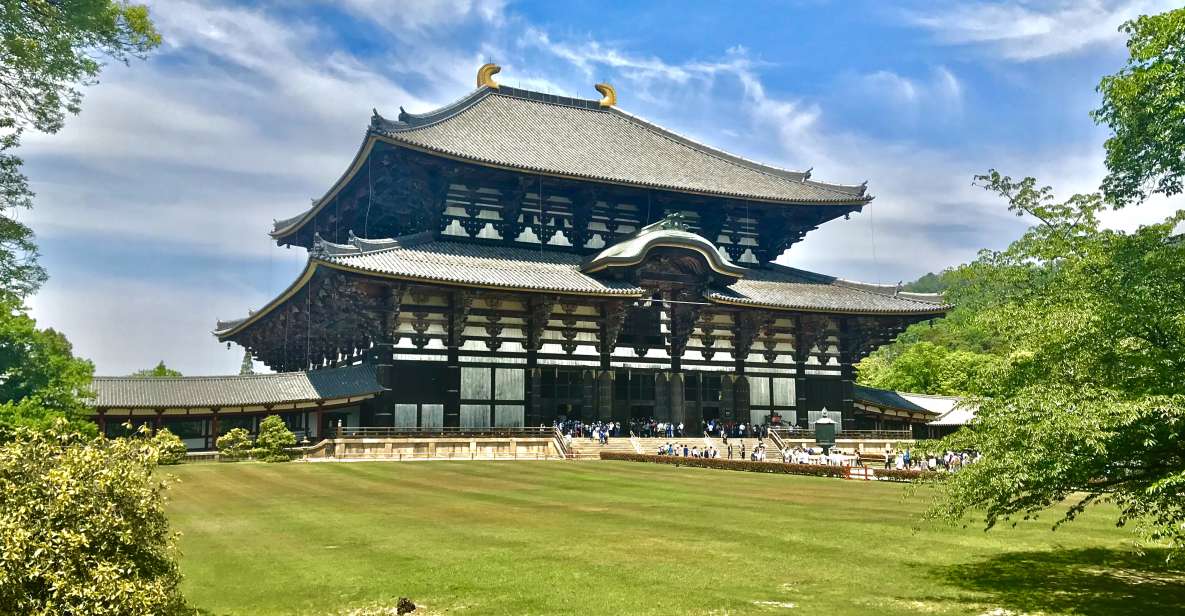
(783, 434)
(561, 444)
(404, 432)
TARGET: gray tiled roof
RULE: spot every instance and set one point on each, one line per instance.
(421, 258)
(554, 135)
(233, 391)
(779, 286)
(887, 398)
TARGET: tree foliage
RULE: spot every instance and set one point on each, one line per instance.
(83, 528)
(170, 448)
(1088, 399)
(1144, 105)
(49, 51)
(158, 371)
(274, 440)
(234, 445)
(40, 379)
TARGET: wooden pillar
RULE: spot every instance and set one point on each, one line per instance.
(156, 421)
(459, 302)
(534, 386)
(605, 396)
(727, 398)
(740, 400)
(662, 396)
(213, 429)
(102, 422)
(802, 351)
(317, 429)
(847, 373)
(678, 403)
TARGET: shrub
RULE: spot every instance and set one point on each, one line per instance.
(274, 440)
(171, 449)
(814, 470)
(234, 445)
(83, 527)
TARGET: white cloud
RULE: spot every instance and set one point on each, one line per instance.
(423, 15)
(241, 120)
(1024, 31)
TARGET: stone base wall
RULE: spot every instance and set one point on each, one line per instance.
(412, 448)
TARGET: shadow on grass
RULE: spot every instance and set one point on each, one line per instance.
(1093, 582)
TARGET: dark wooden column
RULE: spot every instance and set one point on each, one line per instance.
(744, 332)
(383, 354)
(802, 350)
(848, 344)
(459, 304)
(156, 421)
(538, 312)
(662, 396)
(102, 421)
(213, 429)
(612, 318)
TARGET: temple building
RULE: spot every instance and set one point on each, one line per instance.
(517, 257)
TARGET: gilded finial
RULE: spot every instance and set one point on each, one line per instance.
(485, 75)
(608, 92)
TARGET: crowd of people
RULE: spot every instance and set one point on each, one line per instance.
(949, 461)
(654, 428)
(599, 431)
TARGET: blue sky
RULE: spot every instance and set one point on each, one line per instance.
(153, 204)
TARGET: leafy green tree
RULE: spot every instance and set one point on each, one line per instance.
(274, 440)
(234, 445)
(170, 448)
(40, 379)
(159, 371)
(930, 283)
(83, 528)
(1144, 105)
(925, 367)
(1088, 401)
(49, 50)
(247, 367)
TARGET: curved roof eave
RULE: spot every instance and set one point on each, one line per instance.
(314, 262)
(660, 239)
(732, 301)
(855, 194)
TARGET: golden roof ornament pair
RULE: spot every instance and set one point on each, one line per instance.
(485, 78)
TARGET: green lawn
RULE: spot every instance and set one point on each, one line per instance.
(625, 538)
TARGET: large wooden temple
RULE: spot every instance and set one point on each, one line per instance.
(517, 257)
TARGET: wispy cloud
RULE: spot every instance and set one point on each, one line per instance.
(153, 204)
(1025, 31)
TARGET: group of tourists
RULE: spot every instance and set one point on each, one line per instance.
(686, 451)
(653, 428)
(726, 429)
(599, 431)
(950, 461)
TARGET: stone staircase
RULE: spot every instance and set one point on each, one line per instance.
(772, 454)
(584, 449)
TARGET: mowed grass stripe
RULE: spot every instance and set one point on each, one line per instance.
(576, 537)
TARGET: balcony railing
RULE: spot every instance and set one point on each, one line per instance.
(868, 435)
(438, 432)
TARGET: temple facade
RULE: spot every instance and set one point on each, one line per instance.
(517, 257)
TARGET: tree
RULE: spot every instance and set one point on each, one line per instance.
(1144, 105)
(274, 440)
(48, 52)
(247, 367)
(170, 448)
(83, 528)
(159, 371)
(40, 379)
(234, 445)
(1089, 400)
